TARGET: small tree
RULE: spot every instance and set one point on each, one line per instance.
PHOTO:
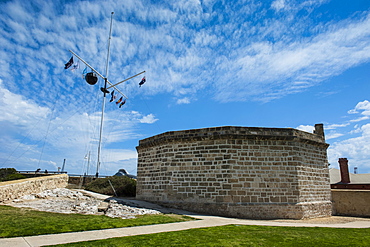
(7, 174)
(124, 186)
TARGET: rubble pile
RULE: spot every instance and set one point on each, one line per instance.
(115, 209)
(69, 201)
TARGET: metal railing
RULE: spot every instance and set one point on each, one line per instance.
(87, 176)
(41, 172)
(56, 172)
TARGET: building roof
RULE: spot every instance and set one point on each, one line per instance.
(354, 178)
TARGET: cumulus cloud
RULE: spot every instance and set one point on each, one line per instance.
(148, 119)
(185, 100)
(362, 107)
(278, 4)
(138, 117)
(18, 110)
(48, 139)
(352, 141)
(356, 149)
(348, 139)
(307, 128)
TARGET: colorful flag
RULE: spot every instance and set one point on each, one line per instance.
(142, 81)
(113, 97)
(69, 64)
(123, 102)
(119, 101)
(84, 72)
(75, 65)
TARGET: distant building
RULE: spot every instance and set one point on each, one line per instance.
(123, 172)
(343, 179)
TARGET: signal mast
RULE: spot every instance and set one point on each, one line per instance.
(92, 78)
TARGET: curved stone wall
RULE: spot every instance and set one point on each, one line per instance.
(244, 172)
(14, 189)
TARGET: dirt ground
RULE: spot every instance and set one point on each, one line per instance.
(328, 220)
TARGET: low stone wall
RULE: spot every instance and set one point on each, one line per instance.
(351, 202)
(11, 190)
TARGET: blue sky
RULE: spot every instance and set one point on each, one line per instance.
(282, 63)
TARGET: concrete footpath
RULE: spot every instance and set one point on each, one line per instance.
(204, 221)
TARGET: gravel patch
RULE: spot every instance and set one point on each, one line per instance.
(68, 201)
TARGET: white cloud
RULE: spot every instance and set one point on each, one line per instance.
(335, 126)
(237, 65)
(149, 119)
(356, 129)
(185, 100)
(278, 4)
(354, 142)
(332, 135)
(71, 134)
(362, 107)
(20, 111)
(307, 128)
(356, 149)
(136, 116)
(359, 119)
(264, 70)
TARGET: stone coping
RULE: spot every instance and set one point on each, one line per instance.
(234, 132)
(350, 190)
(31, 179)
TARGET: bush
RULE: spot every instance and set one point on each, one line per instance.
(124, 186)
(15, 176)
(9, 174)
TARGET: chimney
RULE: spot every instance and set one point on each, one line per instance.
(344, 173)
(319, 130)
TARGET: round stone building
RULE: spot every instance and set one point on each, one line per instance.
(247, 172)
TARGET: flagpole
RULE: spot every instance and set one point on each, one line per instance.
(88, 164)
(104, 91)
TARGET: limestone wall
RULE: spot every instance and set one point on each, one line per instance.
(237, 171)
(11, 190)
(351, 202)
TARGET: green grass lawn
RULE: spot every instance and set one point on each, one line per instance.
(17, 222)
(239, 235)
(26, 222)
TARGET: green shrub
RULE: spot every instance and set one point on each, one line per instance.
(15, 176)
(124, 186)
(6, 172)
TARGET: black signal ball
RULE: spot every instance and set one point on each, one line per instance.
(91, 78)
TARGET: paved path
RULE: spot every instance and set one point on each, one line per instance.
(205, 221)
